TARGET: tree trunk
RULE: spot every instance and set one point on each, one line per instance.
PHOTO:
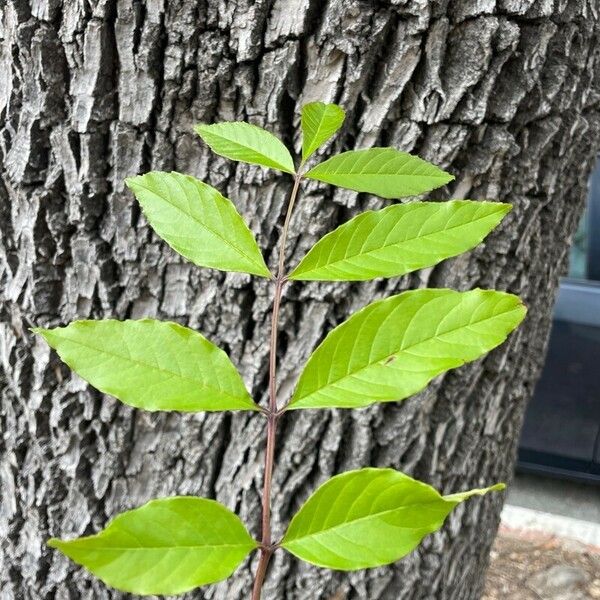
(504, 94)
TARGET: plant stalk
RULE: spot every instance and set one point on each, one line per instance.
(267, 548)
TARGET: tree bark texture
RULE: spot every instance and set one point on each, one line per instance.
(503, 93)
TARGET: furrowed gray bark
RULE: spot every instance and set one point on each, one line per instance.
(503, 93)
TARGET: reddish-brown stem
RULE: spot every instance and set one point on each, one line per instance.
(267, 548)
(279, 283)
(265, 556)
(286, 226)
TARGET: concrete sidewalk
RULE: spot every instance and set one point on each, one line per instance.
(548, 547)
(554, 506)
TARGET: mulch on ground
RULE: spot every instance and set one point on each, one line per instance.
(533, 566)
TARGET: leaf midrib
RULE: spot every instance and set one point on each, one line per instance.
(311, 146)
(265, 157)
(274, 163)
(159, 369)
(353, 373)
(204, 226)
(365, 518)
(424, 237)
(177, 547)
(325, 167)
(369, 174)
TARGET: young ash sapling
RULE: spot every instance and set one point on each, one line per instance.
(385, 352)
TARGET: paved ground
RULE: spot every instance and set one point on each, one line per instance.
(549, 544)
(537, 566)
(556, 496)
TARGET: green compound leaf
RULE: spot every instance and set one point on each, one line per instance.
(319, 122)
(168, 546)
(246, 143)
(393, 348)
(198, 222)
(385, 172)
(150, 364)
(399, 239)
(368, 518)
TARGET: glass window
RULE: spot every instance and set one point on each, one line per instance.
(585, 251)
(579, 250)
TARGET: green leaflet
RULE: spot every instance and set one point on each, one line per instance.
(368, 518)
(393, 348)
(150, 364)
(399, 239)
(385, 172)
(246, 143)
(385, 352)
(462, 496)
(319, 122)
(168, 546)
(198, 222)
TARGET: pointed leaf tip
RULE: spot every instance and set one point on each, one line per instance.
(366, 518)
(153, 365)
(462, 496)
(167, 546)
(393, 348)
(247, 143)
(399, 239)
(198, 222)
(385, 172)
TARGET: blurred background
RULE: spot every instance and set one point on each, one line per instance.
(549, 542)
